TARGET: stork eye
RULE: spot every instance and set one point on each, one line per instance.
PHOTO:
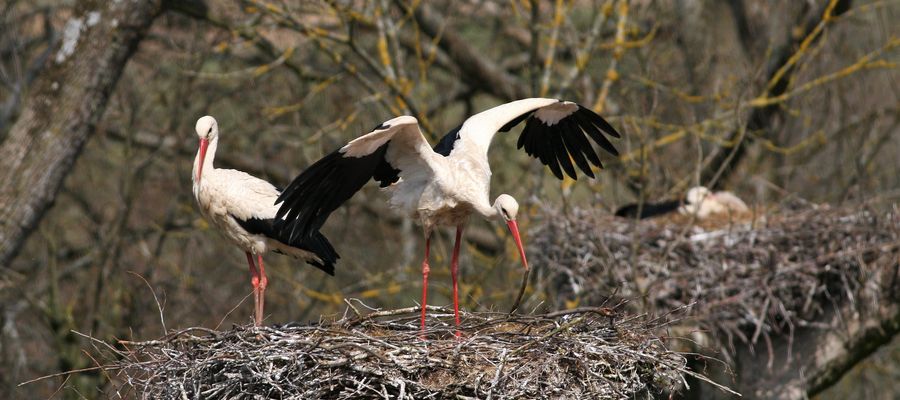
(505, 213)
(209, 131)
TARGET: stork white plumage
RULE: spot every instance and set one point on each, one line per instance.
(444, 185)
(699, 202)
(243, 208)
(703, 203)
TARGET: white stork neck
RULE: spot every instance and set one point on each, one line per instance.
(487, 210)
(207, 161)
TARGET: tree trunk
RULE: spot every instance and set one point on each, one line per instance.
(61, 110)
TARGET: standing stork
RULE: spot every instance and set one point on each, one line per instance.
(444, 185)
(243, 208)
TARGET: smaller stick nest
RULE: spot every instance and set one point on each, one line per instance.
(587, 353)
(744, 279)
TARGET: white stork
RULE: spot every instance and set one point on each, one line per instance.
(703, 203)
(444, 185)
(699, 201)
(243, 208)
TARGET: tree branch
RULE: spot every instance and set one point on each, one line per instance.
(779, 73)
(478, 71)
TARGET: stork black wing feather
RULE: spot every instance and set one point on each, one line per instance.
(596, 126)
(545, 147)
(602, 141)
(561, 154)
(593, 132)
(579, 141)
(323, 187)
(518, 120)
(569, 136)
(600, 122)
(526, 140)
(320, 245)
(586, 148)
(446, 144)
(313, 200)
(385, 174)
(309, 189)
(317, 244)
(560, 142)
(649, 210)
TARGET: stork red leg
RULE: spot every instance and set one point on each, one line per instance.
(263, 283)
(454, 269)
(425, 270)
(254, 280)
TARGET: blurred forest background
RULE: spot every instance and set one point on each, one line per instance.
(773, 100)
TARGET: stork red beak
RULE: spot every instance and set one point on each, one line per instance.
(514, 230)
(204, 143)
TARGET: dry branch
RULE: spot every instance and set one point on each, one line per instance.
(477, 70)
(782, 66)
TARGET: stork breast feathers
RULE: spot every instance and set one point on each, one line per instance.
(241, 194)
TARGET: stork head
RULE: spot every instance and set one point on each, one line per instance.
(507, 208)
(697, 194)
(699, 201)
(207, 129)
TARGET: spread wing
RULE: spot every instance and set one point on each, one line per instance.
(383, 154)
(556, 132)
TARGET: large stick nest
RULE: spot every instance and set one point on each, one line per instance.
(585, 353)
(744, 278)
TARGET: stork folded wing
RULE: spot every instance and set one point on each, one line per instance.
(316, 243)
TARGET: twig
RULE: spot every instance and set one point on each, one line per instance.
(162, 319)
(66, 373)
(522, 287)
